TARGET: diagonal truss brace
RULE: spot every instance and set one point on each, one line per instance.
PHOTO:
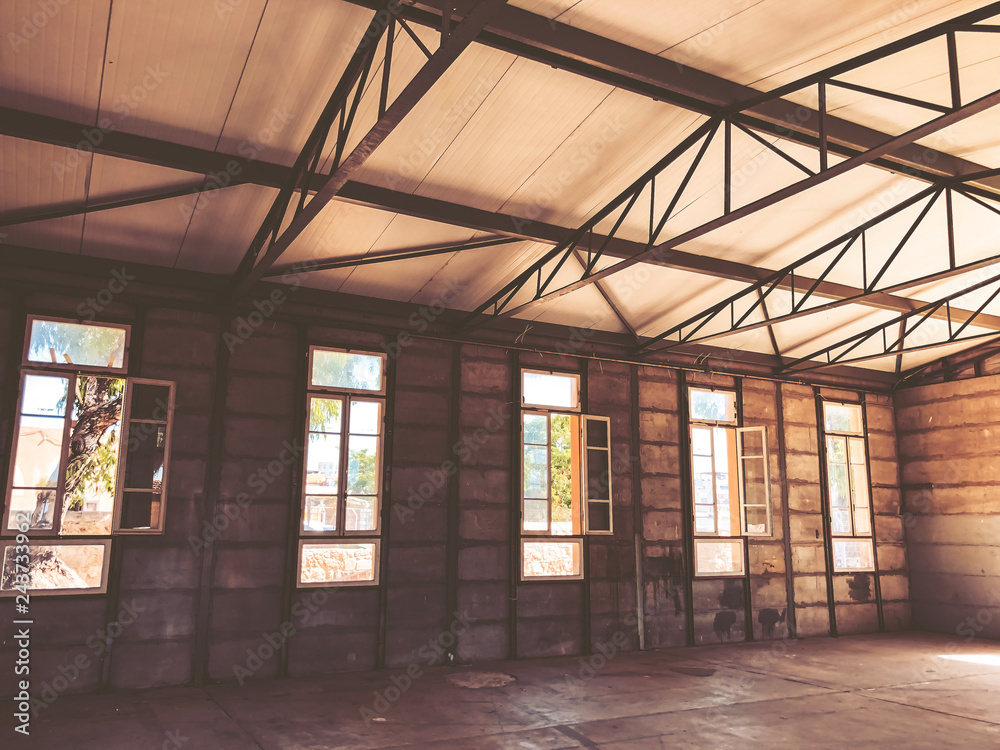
(271, 241)
(806, 290)
(500, 304)
(897, 346)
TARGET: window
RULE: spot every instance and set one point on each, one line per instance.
(89, 458)
(343, 476)
(566, 476)
(731, 486)
(847, 487)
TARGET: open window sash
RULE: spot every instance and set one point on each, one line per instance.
(595, 438)
(147, 427)
(754, 481)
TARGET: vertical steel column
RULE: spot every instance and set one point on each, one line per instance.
(687, 522)
(383, 579)
(299, 429)
(786, 524)
(454, 486)
(135, 346)
(514, 360)
(637, 528)
(213, 486)
(825, 505)
(871, 511)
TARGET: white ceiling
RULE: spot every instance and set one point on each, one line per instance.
(497, 133)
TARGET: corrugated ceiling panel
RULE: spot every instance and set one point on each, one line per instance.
(520, 124)
(918, 358)
(172, 68)
(36, 176)
(804, 336)
(765, 43)
(52, 57)
(411, 151)
(297, 58)
(144, 233)
(224, 223)
(622, 138)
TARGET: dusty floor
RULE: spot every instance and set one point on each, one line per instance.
(891, 691)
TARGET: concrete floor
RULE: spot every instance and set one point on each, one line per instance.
(863, 691)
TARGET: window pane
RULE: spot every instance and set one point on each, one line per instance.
(599, 516)
(39, 450)
(544, 389)
(598, 475)
(536, 515)
(757, 520)
(718, 558)
(754, 485)
(150, 401)
(859, 477)
(92, 467)
(536, 429)
(322, 463)
(366, 417)
(839, 497)
(704, 519)
(701, 441)
(38, 505)
(140, 510)
(836, 450)
(57, 566)
(338, 563)
(144, 457)
(536, 472)
(857, 450)
(361, 514)
(753, 443)
(853, 554)
(713, 406)
(362, 465)
(842, 417)
(362, 372)
(597, 433)
(561, 456)
(840, 520)
(324, 414)
(320, 513)
(44, 395)
(862, 521)
(552, 559)
(53, 342)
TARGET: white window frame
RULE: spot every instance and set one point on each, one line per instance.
(730, 426)
(530, 405)
(335, 542)
(340, 535)
(853, 536)
(120, 488)
(313, 348)
(576, 541)
(91, 541)
(66, 366)
(741, 457)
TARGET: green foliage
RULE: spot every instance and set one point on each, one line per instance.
(84, 345)
(346, 370)
(562, 467)
(95, 471)
(325, 415)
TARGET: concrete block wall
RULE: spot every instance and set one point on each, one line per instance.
(450, 495)
(949, 444)
(159, 575)
(612, 557)
(768, 578)
(487, 415)
(894, 573)
(416, 574)
(805, 509)
(664, 561)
